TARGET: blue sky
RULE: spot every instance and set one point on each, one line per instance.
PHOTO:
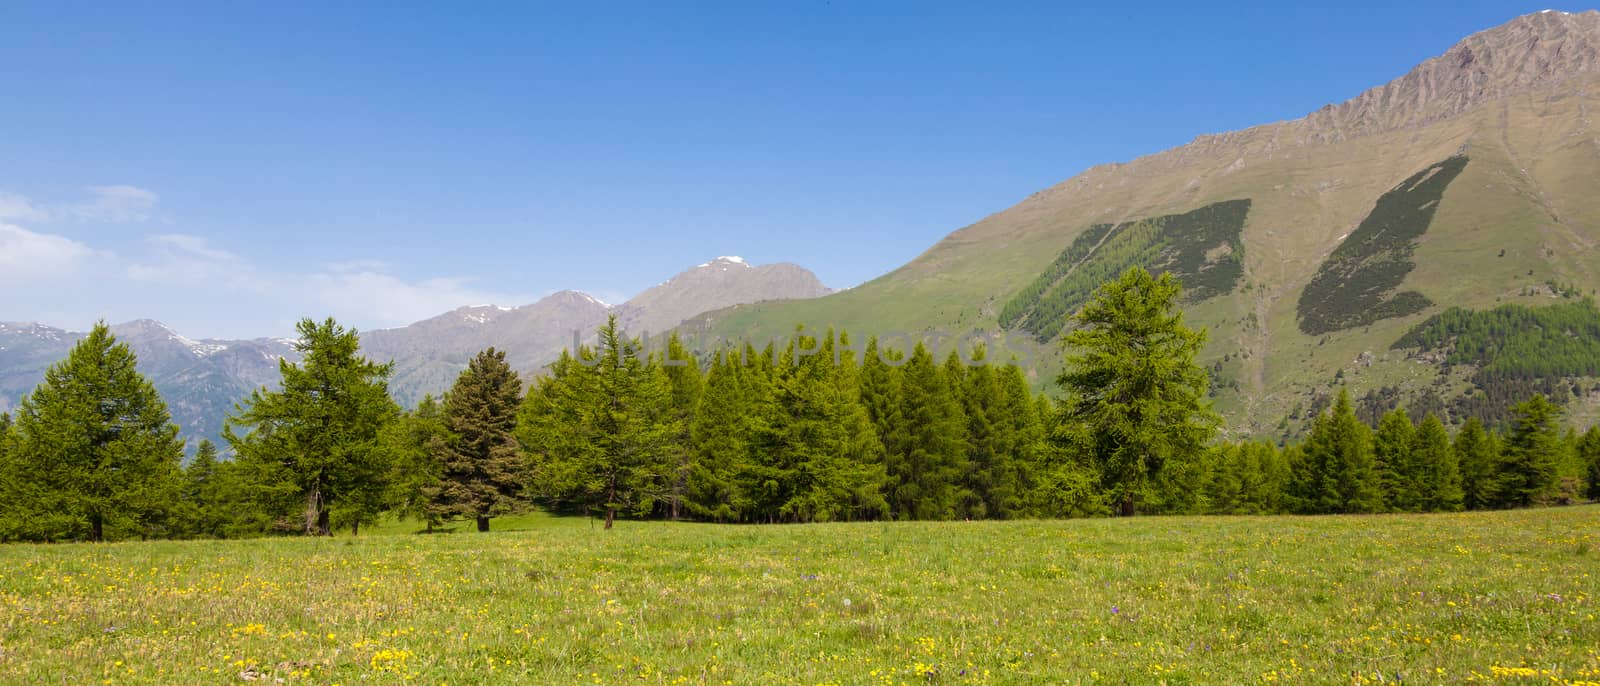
(230, 167)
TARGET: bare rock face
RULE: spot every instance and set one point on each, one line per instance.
(1529, 53)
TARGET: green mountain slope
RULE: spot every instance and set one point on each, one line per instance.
(1473, 181)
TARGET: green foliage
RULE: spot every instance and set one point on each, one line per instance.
(1200, 248)
(1357, 284)
(1334, 471)
(94, 454)
(1247, 478)
(415, 442)
(687, 382)
(1392, 452)
(1517, 350)
(1533, 450)
(1135, 391)
(599, 428)
(1478, 454)
(314, 443)
(1589, 453)
(480, 462)
(1436, 473)
(926, 444)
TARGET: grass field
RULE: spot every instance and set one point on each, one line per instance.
(1499, 597)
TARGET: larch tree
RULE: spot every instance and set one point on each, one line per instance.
(1533, 447)
(95, 452)
(926, 448)
(1391, 451)
(1335, 473)
(416, 442)
(481, 466)
(1589, 453)
(687, 384)
(316, 440)
(1478, 456)
(1438, 471)
(1132, 384)
(600, 427)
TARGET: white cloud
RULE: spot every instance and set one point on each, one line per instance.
(192, 282)
(28, 257)
(116, 204)
(19, 208)
(387, 300)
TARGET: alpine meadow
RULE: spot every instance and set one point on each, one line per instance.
(1316, 401)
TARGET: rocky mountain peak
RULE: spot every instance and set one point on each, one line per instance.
(1528, 53)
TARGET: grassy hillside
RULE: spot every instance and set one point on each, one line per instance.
(1522, 213)
(1508, 596)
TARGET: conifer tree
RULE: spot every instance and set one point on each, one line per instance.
(687, 385)
(481, 475)
(1132, 381)
(313, 445)
(1391, 451)
(203, 494)
(926, 446)
(600, 428)
(1589, 453)
(11, 494)
(1438, 472)
(1336, 472)
(1527, 472)
(95, 452)
(832, 462)
(1479, 457)
(1018, 438)
(727, 424)
(416, 442)
(880, 388)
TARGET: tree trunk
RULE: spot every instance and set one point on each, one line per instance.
(313, 510)
(611, 501)
(97, 528)
(324, 527)
(355, 528)
(1127, 507)
(483, 524)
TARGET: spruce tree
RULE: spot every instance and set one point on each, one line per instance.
(1132, 382)
(95, 452)
(926, 447)
(1479, 457)
(1336, 472)
(1391, 451)
(313, 445)
(1527, 472)
(880, 388)
(1438, 472)
(481, 475)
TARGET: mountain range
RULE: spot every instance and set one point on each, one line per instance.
(1314, 252)
(201, 380)
(1310, 247)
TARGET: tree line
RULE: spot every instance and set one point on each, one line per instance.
(825, 428)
